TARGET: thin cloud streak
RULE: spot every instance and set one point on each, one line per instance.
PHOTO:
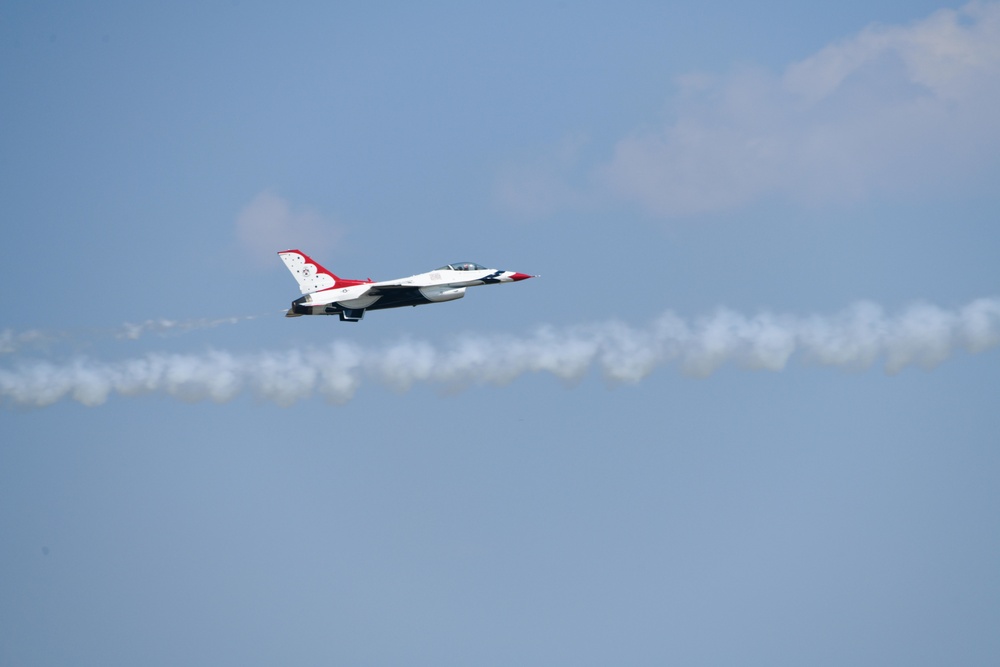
(856, 338)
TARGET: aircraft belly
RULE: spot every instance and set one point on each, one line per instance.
(362, 302)
(400, 298)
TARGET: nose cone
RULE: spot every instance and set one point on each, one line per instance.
(520, 276)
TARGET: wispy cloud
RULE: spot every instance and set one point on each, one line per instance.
(858, 337)
(548, 182)
(269, 223)
(890, 110)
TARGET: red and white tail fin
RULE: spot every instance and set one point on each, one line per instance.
(310, 275)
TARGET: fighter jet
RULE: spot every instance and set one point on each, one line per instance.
(328, 294)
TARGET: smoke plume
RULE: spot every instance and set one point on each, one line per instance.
(133, 331)
(12, 341)
(858, 337)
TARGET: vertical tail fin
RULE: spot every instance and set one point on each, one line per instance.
(310, 275)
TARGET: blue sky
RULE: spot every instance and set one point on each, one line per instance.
(747, 414)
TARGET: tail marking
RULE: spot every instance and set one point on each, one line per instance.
(309, 274)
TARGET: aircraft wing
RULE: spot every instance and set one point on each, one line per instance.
(400, 285)
(395, 288)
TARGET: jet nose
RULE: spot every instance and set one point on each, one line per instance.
(521, 276)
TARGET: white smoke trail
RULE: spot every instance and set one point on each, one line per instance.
(133, 331)
(13, 341)
(857, 337)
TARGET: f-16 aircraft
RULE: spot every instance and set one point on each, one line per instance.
(328, 294)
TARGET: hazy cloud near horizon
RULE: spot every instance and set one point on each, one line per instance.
(896, 110)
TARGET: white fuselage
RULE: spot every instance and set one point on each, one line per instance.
(435, 286)
(327, 294)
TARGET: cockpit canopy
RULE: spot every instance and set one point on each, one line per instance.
(462, 266)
